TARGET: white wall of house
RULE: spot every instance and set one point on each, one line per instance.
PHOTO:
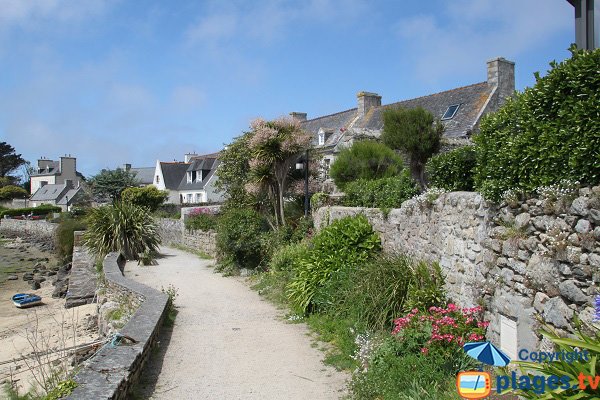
(159, 181)
(36, 181)
(193, 196)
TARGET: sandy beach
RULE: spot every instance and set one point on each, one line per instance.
(48, 326)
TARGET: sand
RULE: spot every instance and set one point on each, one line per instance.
(229, 343)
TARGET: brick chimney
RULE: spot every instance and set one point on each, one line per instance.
(366, 101)
(298, 116)
(501, 73)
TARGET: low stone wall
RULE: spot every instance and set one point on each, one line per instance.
(113, 371)
(173, 232)
(33, 230)
(535, 259)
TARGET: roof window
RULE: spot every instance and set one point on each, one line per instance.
(451, 112)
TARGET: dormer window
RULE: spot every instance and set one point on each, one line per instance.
(450, 112)
(321, 138)
(189, 177)
(199, 176)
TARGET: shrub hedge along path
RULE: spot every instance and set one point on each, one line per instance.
(227, 342)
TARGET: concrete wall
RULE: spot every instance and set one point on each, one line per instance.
(34, 230)
(173, 232)
(535, 259)
(113, 371)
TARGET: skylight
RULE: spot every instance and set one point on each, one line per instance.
(451, 112)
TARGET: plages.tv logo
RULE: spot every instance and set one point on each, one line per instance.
(478, 384)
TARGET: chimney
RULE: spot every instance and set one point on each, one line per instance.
(188, 156)
(126, 167)
(298, 116)
(501, 73)
(366, 101)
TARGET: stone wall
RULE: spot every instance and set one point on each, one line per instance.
(33, 230)
(173, 232)
(539, 258)
(113, 371)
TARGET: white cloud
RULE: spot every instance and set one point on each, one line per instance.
(29, 12)
(469, 32)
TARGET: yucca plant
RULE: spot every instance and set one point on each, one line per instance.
(574, 369)
(121, 227)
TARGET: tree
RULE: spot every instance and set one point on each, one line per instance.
(366, 159)
(10, 192)
(9, 159)
(275, 146)
(233, 173)
(148, 196)
(415, 132)
(110, 183)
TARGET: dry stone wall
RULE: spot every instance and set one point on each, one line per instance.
(538, 258)
(173, 232)
(34, 230)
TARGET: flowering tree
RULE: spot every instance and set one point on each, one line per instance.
(275, 146)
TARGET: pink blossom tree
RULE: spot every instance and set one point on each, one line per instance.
(275, 146)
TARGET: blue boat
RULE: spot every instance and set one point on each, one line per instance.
(23, 300)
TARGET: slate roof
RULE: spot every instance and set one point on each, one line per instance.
(52, 169)
(172, 173)
(144, 175)
(207, 162)
(69, 195)
(49, 192)
(471, 98)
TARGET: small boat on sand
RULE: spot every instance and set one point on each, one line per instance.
(23, 300)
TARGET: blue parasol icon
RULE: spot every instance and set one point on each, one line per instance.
(486, 353)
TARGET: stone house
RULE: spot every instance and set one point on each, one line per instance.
(460, 110)
(191, 181)
(50, 172)
(63, 195)
(143, 175)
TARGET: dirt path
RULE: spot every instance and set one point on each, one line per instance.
(228, 343)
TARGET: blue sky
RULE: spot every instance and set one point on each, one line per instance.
(124, 81)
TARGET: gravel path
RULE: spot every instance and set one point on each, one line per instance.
(227, 342)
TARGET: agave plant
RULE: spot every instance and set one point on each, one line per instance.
(579, 385)
(121, 227)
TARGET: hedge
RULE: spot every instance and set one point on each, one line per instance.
(381, 193)
(44, 209)
(452, 170)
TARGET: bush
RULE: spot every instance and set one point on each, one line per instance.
(201, 219)
(336, 250)
(287, 258)
(122, 227)
(13, 192)
(41, 210)
(546, 134)
(239, 238)
(64, 235)
(148, 196)
(453, 170)
(365, 160)
(387, 286)
(381, 193)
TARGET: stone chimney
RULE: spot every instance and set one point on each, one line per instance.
(68, 165)
(298, 116)
(366, 101)
(501, 73)
(188, 156)
(44, 163)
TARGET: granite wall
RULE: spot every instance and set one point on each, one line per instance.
(33, 230)
(538, 258)
(173, 232)
(114, 370)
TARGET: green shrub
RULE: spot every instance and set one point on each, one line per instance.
(64, 235)
(203, 222)
(387, 286)
(365, 160)
(41, 210)
(172, 211)
(287, 258)
(546, 134)
(147, 196)
(121, 227)
(13, 192)
(239, 238)
(381, 193)
(337, 249)
(453, 170)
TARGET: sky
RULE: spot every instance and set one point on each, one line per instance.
(123, 81)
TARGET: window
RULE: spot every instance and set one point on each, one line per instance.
(157, 178)
(326, 166)
(189, 177)
(321, 138)
(451, 112)
(188, 198)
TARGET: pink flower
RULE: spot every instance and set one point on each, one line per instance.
(424, 350)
